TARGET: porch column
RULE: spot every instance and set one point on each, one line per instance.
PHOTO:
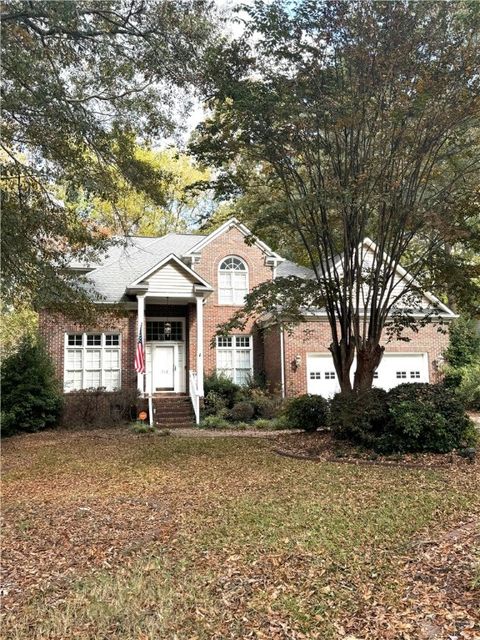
(200, 344)
(140, 325)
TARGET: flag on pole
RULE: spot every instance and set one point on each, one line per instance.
(140, 354)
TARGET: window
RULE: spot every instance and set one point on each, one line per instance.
(401, 375)
(315, 375)
(375, 375)
(234, 357)
(165, 330)
(92, 360)
(232, 281)
(329, 375)
(415, 374)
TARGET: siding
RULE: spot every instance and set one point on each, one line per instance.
(170, 280)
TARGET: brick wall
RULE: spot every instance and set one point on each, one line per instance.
(315, 337)
(54, 326)
(230, 243)
(271, 359)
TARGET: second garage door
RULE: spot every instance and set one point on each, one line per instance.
(394, 369)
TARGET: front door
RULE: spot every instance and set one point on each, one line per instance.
(163, 369)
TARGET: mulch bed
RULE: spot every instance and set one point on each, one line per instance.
(321, 446)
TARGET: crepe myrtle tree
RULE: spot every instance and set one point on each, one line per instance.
(362, 117)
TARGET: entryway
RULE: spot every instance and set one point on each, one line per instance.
(165, 365)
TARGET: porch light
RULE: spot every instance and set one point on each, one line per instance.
(168, 328)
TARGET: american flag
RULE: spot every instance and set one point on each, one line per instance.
(140, 354)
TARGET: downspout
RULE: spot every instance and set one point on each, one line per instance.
(282, 361)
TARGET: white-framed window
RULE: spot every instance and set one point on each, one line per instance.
(92, 361)
(235, 358)
(232, 281)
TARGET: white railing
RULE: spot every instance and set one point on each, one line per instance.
(194, 395)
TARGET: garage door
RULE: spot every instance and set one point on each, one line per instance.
(321, 375)
(395, 368)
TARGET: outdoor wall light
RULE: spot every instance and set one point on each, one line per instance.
(298, 361)
(168, 328)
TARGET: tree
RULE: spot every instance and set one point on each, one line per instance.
(84, 81)
(464, 347)
(31, 398)
(364, 117)
(135, 212)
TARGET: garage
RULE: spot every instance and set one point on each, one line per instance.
(394, 369)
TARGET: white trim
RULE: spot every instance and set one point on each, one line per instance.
(246, 272)
(200, 346)
(159, 265)
(233, 348)
(84, 347)
(180, 380)
(226, 226)
(282, 360)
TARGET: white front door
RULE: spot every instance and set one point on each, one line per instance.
(163, 368)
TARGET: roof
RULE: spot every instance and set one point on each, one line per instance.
(135, 258)
(288, 268)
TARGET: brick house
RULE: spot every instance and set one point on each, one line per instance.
(176, 289)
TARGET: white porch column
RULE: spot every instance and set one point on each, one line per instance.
(141, 324)
(200, 345)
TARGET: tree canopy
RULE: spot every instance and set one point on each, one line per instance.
(362, 119)
(84, 83)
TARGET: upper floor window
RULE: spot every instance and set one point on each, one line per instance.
(92, 361)
(232, 281)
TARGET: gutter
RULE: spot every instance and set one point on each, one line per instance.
(282, 361)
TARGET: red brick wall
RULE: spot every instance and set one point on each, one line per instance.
(315, 337)
(230, 243)
(52, 328)
(271, 358)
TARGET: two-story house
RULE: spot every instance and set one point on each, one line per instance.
(175, 290)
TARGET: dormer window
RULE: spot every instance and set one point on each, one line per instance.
(232, 281)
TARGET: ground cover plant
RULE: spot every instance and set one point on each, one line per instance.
(111, 534)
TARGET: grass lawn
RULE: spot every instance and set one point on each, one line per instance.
(111, 535)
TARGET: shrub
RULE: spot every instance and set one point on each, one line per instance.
(223, 387)
(464, 346)
(214, 422)
(307, 412)
(99, 408)
(469, 388)
(31, 397)
(359, 417)
(426, 417)
(242, 411)
(266, 407)
(142, 427)
(214, 403)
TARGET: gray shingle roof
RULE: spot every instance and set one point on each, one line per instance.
(287, 268)
(124, 264)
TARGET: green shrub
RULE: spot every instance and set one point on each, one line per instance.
(214, 403)
(307, 412)
(223, 387)
(31, 397)
(469, 388)
(464, 346)
(99, 408)
(265, 406)
(426, 417)
(359, 417)
(262, 424)
(242, 411)
(142, 427)
(214, 422)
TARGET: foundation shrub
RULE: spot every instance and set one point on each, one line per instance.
(223, 387)
(99, 408)
(361, 418)
(307, 412)
(214, 422)
(242, 411)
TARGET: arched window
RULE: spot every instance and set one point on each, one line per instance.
(232, 281)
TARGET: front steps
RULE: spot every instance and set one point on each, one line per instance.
(173, 412)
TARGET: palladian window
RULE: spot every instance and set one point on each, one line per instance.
(232, 281)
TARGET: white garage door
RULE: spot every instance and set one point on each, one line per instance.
(395, 368)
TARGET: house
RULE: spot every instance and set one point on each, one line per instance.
(175, 290)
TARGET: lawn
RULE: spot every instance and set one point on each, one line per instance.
(111, 535)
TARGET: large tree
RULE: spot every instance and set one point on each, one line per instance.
(362, 118)
(84, 83)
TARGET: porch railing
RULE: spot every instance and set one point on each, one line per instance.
(194, 396)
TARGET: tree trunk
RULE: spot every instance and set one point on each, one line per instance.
(368, 359)
(343, 355)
